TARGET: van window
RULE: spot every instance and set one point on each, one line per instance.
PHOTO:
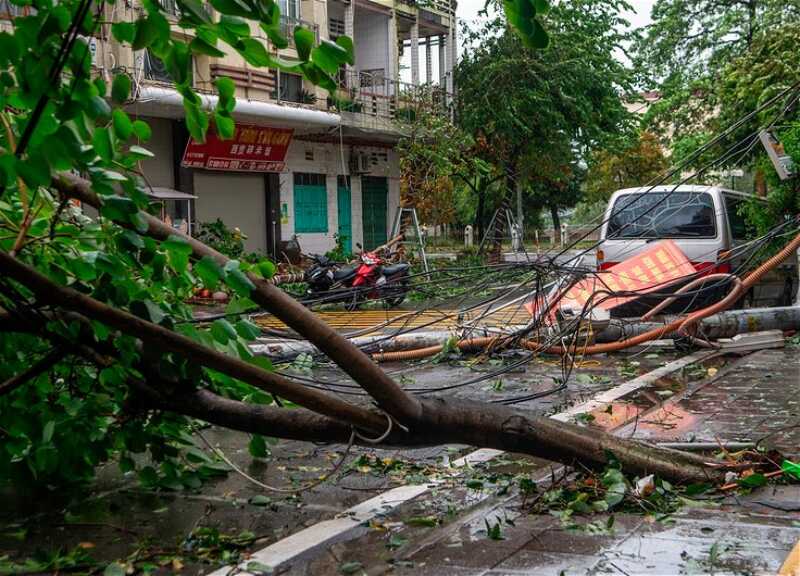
(663, 215)
(734, 207)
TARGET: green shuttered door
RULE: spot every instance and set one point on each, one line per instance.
(345, 225)
(374, 192)
(310, 203)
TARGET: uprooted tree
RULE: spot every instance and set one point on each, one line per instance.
(99, 355)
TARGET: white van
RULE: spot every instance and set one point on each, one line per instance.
(704, 221)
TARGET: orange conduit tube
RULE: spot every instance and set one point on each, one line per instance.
(696, 282)
(680, 324)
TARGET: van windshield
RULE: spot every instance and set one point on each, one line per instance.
(663, 215)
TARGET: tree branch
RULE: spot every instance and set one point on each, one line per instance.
(39, 367)
(161, 338)
(389, 396)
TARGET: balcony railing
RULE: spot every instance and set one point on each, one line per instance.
(289, 23)
(380, 97)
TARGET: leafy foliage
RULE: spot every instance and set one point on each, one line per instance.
(635, 164)
(536, 113)
(55, 116)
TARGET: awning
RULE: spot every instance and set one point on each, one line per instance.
(168, 194)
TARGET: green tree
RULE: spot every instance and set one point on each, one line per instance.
(100, 356)
(551, 106)
(635, 164)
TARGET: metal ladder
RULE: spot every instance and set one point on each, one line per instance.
(419, 242)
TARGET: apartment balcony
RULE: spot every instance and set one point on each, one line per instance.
(376, 100)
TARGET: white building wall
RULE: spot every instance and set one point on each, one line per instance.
(160, 169)
(371, 38)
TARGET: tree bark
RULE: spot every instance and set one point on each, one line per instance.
(556, 222)
(451, 421)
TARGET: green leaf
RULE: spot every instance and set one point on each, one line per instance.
(178, 250)
(260, 500)
(235, 26)
(247, 330)
(267, 268)
(752, 481)
(148, 476)
(329, 56)
(254, 52)
(347, 44)
(194, 10)
(200, 46)
(118, 208)
(225, 87)
(791, 469)
(148, 310)
(47, 432)
(123, 127)
(615, 494)
(142, 130)
(209, 272)
(421, 521)
(303, 41)
(350, 567)
(236, 279)
(140, 152)
(34, 170)
(223, 331)
(225, 126)
(152, 30)
(196, 120)
(258, 447)
(124, 31)
(232, 8)
(121, 88)
(102, 143)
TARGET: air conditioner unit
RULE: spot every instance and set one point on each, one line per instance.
(360, 163)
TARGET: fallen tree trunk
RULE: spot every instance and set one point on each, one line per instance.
(453, 421)
(402, 419)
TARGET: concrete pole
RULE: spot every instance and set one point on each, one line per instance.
(452, 56)
(415, 53)
(349, 17)
(442, 70)
(428, 61)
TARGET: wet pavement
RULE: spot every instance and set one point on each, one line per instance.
(724, 534)
(445, 530)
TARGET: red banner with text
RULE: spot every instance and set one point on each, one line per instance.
(252, 149)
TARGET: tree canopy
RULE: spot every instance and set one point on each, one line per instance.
(541, 111)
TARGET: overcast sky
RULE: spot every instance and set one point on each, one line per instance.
(468, 12)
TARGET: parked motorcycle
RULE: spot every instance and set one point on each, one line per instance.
(328, 282)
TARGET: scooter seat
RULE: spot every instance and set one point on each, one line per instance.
(396, 269)
(344, 273)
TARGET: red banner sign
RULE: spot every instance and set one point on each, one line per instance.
(252, 149)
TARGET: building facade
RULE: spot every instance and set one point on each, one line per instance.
(340, 172)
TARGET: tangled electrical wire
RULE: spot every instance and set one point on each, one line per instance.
(540, 282)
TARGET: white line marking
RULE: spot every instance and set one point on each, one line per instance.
(353, 522)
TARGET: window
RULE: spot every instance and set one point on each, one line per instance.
(290, 9)
(734, 208)
(310, 203)
(663, 215)
(291, 87)
(335, 27)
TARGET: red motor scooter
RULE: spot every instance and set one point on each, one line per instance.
(373, 281)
